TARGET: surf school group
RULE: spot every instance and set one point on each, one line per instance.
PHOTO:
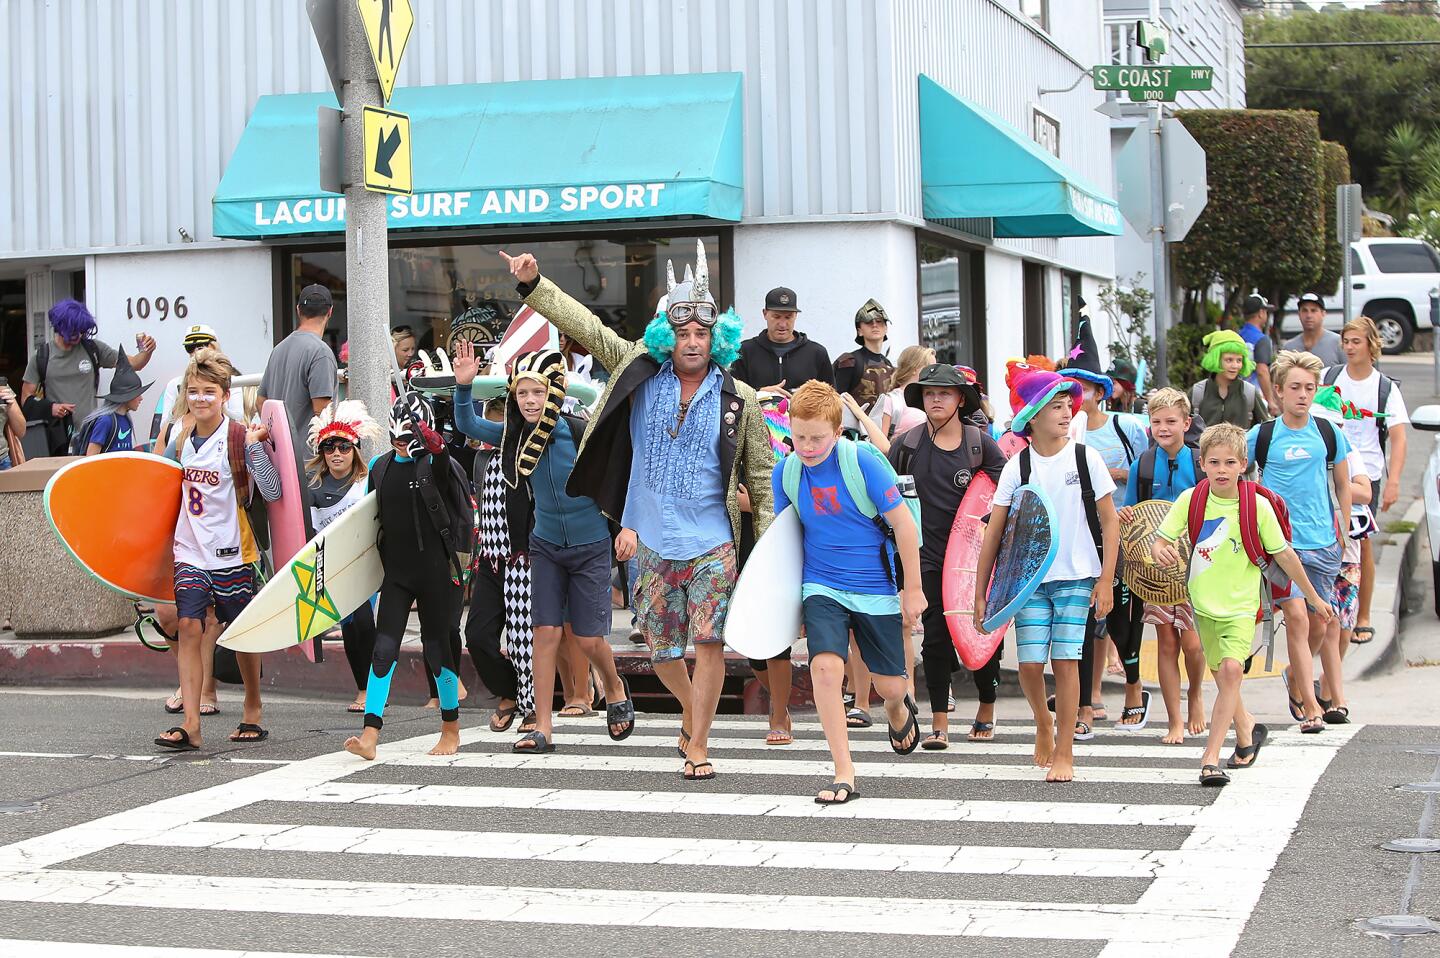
(749, 493)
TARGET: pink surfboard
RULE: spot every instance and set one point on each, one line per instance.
(957, 580)
(286, 514)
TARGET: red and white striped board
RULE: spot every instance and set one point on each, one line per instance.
(527, 332)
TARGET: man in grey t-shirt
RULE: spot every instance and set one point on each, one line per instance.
(70, 371)
(1314, 338)
(301, 370)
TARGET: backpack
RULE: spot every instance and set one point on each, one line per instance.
(1383, 397)
(910, 444)
(1249, 524)
(1087, 493)
(849, 456)
(81, 440)
(1267, 433)
(448, 503)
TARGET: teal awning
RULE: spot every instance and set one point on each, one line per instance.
(974, 165)
(545, 151)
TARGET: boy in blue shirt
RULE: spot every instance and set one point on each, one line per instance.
(1301, 458)
(1164, 471)
(570, 541)
(849, 577)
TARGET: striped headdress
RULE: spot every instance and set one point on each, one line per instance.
(523, 444)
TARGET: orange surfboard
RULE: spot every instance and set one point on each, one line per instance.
(116, 515)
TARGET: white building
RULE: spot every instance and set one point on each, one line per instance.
(1202, 33)
(937, 155)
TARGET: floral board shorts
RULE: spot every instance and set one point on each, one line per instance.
(1347, 596)
(1181, 616)
(677, 600)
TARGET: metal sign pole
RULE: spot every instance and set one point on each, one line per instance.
(1160, 302)
(1346, 229)
(367, 246)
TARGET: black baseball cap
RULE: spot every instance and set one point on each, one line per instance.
(1254, 303)
(1311, 298)
(782, 300)
(315, 295)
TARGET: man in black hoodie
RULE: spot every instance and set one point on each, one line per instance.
(780, 360)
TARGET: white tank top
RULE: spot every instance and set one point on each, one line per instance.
(211, 533)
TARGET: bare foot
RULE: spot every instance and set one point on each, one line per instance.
(1063, 770)
(432, 704)
(1174, 735)
(1044, 746)
(364, 744)
(449, 742)
(1197, 724)
(463, 693)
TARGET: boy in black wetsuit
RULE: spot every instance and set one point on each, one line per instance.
(421, 567)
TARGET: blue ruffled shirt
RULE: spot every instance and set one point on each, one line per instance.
(675, 501)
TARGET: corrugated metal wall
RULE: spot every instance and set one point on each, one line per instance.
(125, 112)
(971, 49)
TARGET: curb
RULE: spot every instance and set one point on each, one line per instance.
(1394, 592)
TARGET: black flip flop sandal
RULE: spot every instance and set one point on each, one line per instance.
(1313, 726)
(1212, 776)
(1297, 708)
(257, 734)
(527, 724)
(1368, 632)
(858, 718)
(620, 713)
(837, 790)
(179, 705)
(684, 747)
(1337, 715)
(539, 744)
(1251, 751)
(911, 725)
(1142, 710)
(979, 729)
(181, 744)
(691, 771)
(506, 717)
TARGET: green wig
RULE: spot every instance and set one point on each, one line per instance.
(1223, 341)
(725, 338)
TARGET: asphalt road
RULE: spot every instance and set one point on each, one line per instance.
(289, 847)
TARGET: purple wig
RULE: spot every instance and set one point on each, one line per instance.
(72, 320)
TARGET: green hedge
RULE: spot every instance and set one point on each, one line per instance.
(1262, 225)
(1335, 170)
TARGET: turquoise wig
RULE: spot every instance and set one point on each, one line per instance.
(725, 338)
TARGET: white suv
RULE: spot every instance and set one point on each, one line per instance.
(1391, 280)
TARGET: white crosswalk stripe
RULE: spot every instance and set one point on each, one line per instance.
(1196, 862)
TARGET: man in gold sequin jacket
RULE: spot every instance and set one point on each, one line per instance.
(671, 442)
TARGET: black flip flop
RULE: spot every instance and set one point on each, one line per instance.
(858, 718)
(539, 743)
(527, 724)
(1338, 715)
(1251, 751)
(1355, 635)
(1324, 702)
(978, 727)
(1212, 776)
(620, 713)
(258, 733)
(836, 788)
(1142, 710)
(1297, 708)
(506, 717)
(177, 709)
(911, 725)
(694, 770)
(683, 749)
(181, 744)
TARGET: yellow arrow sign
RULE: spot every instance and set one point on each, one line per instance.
(387, 27)
(387, 151)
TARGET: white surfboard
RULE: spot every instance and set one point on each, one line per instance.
(330, 577)
(764, 616)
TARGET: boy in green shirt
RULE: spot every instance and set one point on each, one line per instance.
(1225, 586)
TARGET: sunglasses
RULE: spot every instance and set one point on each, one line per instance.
(191, 347)
(336, 445)
(681, 313)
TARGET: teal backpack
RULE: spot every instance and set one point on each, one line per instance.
(849, 455)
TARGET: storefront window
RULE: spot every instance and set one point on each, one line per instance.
(620, 278)
(951, 301)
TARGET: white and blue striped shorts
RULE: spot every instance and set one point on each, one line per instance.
(1051, 624)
